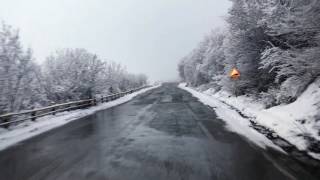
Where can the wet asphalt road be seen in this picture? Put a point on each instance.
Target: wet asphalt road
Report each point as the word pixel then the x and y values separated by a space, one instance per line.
pixel 164 134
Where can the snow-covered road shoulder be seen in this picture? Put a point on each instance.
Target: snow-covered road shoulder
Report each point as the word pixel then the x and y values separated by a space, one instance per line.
pixel 29 129
pixel 234 121
pixel 295 123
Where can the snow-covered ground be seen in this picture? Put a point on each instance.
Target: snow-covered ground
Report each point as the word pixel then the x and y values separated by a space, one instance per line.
pixel 234 121
pixel 29 129
pixel 297 123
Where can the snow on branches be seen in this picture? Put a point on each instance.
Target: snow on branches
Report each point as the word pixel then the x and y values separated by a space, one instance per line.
pixel 273 43
pixel 68 74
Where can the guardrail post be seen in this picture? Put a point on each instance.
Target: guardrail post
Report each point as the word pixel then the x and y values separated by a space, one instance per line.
pixel 6 120
pixel 53 111
pixel 33 116
pixel 94 102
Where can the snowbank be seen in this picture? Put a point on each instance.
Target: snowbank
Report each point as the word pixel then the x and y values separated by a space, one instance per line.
pixel 297 123
pixel 29 129
pixel 235 122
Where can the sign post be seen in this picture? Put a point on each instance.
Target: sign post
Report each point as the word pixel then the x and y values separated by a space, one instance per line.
pixel 235 75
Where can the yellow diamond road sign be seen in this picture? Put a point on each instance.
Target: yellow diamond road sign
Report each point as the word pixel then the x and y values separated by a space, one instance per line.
pixel 235 74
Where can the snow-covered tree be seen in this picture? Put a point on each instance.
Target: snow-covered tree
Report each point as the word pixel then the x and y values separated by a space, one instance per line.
pixel 293 53
pixel 205 61
pixel 115 78
pixel 68 74
pixel 274 44
pixel 72 74
pixel 18 86
pixel 246 40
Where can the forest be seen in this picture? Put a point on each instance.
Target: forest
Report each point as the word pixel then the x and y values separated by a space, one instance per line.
pixel 275 45
pixel 65 75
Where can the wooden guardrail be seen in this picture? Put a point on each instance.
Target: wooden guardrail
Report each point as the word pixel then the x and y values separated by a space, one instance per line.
pixel 13 118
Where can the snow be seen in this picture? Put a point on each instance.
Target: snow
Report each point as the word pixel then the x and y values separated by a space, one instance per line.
pixel 235 122
pixel 285 120
pixel 30 129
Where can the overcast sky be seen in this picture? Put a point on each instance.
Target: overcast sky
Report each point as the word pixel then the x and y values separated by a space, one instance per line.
pixel 147 36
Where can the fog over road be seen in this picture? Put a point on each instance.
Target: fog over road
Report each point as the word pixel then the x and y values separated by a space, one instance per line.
pixel 163 134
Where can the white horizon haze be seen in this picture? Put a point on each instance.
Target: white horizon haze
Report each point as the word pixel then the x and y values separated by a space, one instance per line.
pixel 146 36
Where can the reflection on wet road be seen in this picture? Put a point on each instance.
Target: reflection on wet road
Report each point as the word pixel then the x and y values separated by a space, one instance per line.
pixel 164 134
